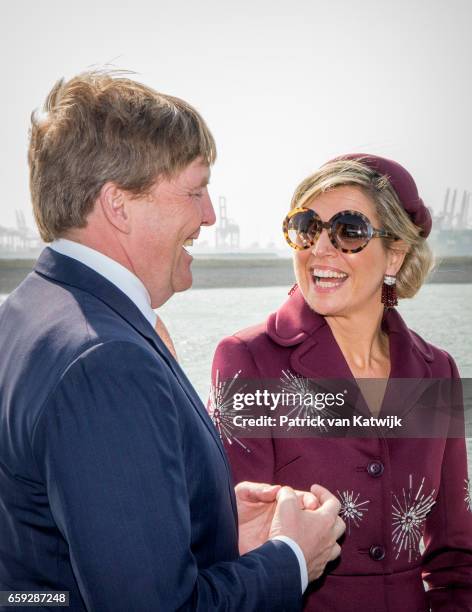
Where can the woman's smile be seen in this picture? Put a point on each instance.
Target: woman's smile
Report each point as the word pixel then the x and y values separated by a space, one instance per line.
pixel 326 279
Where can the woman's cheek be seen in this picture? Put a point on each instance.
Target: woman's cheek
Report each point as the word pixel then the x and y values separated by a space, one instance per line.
pixel 300 261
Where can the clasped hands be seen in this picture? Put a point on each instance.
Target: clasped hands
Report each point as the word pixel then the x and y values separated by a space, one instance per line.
pixel 310 518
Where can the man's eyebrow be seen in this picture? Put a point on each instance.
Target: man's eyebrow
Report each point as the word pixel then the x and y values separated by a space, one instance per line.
pixel 205 180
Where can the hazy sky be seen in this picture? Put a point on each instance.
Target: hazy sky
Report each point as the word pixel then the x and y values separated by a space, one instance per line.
pixel 284 86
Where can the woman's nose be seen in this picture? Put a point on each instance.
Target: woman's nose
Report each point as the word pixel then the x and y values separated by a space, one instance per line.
pixel 323 246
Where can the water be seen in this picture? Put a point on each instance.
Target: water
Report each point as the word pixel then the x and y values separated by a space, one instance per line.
pixel 198 319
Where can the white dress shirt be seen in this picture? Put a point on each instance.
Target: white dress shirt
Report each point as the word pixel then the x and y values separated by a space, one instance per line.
pixel 117 274
pixel 132 286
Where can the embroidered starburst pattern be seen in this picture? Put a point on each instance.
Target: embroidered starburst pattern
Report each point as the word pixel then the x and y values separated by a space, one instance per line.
pixel 299 393
pixel 352 510
pixel 220 407
pixel 468 494
pixel 409 512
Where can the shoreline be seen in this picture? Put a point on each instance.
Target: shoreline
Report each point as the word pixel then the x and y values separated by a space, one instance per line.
pixel 238 272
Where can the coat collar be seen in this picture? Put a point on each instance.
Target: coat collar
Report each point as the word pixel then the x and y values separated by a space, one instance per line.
pixel 296 325
pixel 316 355
pixel 68 271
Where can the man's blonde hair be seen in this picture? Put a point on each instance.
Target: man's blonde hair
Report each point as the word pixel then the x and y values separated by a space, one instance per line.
pixel 418 261
pixel 100 126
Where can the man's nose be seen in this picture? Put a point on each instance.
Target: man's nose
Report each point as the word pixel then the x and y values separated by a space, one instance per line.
pixel 209 216
pixel 323 245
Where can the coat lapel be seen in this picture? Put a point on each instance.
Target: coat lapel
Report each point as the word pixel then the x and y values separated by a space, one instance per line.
pixel 410 375
pixel 409 354
pixel 316 354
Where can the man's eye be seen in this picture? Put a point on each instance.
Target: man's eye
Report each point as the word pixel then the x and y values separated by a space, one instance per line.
pixel 197 194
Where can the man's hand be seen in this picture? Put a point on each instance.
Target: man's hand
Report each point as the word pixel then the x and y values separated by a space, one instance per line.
pixel 315 531
pixel 256 507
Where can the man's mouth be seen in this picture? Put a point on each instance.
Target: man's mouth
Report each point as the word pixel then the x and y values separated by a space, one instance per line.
pixel 328 278
pixel 189 241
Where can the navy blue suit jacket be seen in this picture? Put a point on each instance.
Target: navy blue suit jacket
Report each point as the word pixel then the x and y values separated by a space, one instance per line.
pixel 114 484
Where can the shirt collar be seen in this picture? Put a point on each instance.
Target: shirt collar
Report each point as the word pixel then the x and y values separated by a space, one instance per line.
pixel 113 271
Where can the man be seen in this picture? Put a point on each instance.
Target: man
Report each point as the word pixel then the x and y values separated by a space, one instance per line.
pixel 115 486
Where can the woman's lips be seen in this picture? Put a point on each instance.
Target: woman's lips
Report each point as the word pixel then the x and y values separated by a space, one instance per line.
pixel 328 280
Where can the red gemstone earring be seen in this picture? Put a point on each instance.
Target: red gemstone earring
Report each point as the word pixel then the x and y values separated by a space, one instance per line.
pixel 389 291
pixel 293 289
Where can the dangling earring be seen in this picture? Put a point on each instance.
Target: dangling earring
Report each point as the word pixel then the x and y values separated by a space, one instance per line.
pixel 389 291
pixel 293 289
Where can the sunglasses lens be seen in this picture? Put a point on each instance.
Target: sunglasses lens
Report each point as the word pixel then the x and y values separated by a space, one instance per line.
pixel 302 229
pixel 351 231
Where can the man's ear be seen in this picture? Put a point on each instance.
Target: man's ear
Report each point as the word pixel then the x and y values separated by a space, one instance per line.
pixel 396 255
pixel 114 203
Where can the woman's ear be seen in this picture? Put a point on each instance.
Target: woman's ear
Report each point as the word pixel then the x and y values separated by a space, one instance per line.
pixel 395 256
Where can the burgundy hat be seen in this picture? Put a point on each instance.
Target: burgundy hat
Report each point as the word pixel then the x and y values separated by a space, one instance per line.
pixel 403 184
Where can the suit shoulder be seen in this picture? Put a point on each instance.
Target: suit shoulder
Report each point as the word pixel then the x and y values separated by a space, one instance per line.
pixel 65 316
pixel 112 369
pixel 116 353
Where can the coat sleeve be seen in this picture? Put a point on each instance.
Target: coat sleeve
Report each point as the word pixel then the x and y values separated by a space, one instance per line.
pixel 233 366
pixel 447 560
pixel 111 450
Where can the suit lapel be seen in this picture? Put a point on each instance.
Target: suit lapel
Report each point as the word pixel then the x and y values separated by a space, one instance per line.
pixel 68 271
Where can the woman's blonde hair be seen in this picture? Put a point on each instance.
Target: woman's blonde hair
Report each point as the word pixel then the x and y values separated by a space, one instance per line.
pixel 418 261
pixel 99 127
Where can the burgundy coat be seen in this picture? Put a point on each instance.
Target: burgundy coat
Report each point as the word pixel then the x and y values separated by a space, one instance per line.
pixel 375 479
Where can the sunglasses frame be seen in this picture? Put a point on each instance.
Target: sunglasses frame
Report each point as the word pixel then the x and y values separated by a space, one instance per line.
pixel 328 226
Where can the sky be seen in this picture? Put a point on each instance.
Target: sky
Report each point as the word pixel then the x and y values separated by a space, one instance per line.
pixel 283 86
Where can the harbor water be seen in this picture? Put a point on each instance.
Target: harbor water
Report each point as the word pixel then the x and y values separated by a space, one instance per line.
pixel 198 319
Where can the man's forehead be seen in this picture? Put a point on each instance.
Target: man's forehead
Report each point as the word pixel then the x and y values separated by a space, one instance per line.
pixel 198 171
pixel 193 176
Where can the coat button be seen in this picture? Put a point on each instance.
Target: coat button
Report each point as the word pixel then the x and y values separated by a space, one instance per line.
pixel 375 469
pixel 376 552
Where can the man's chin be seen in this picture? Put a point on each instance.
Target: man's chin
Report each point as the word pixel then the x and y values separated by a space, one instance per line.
pixel 182 284
pixel 175 286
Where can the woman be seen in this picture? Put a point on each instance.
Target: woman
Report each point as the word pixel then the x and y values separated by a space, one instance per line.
pixel 358 229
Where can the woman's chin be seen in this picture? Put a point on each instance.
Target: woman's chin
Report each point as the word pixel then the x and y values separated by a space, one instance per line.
pixel 325 301
pixel 323 305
